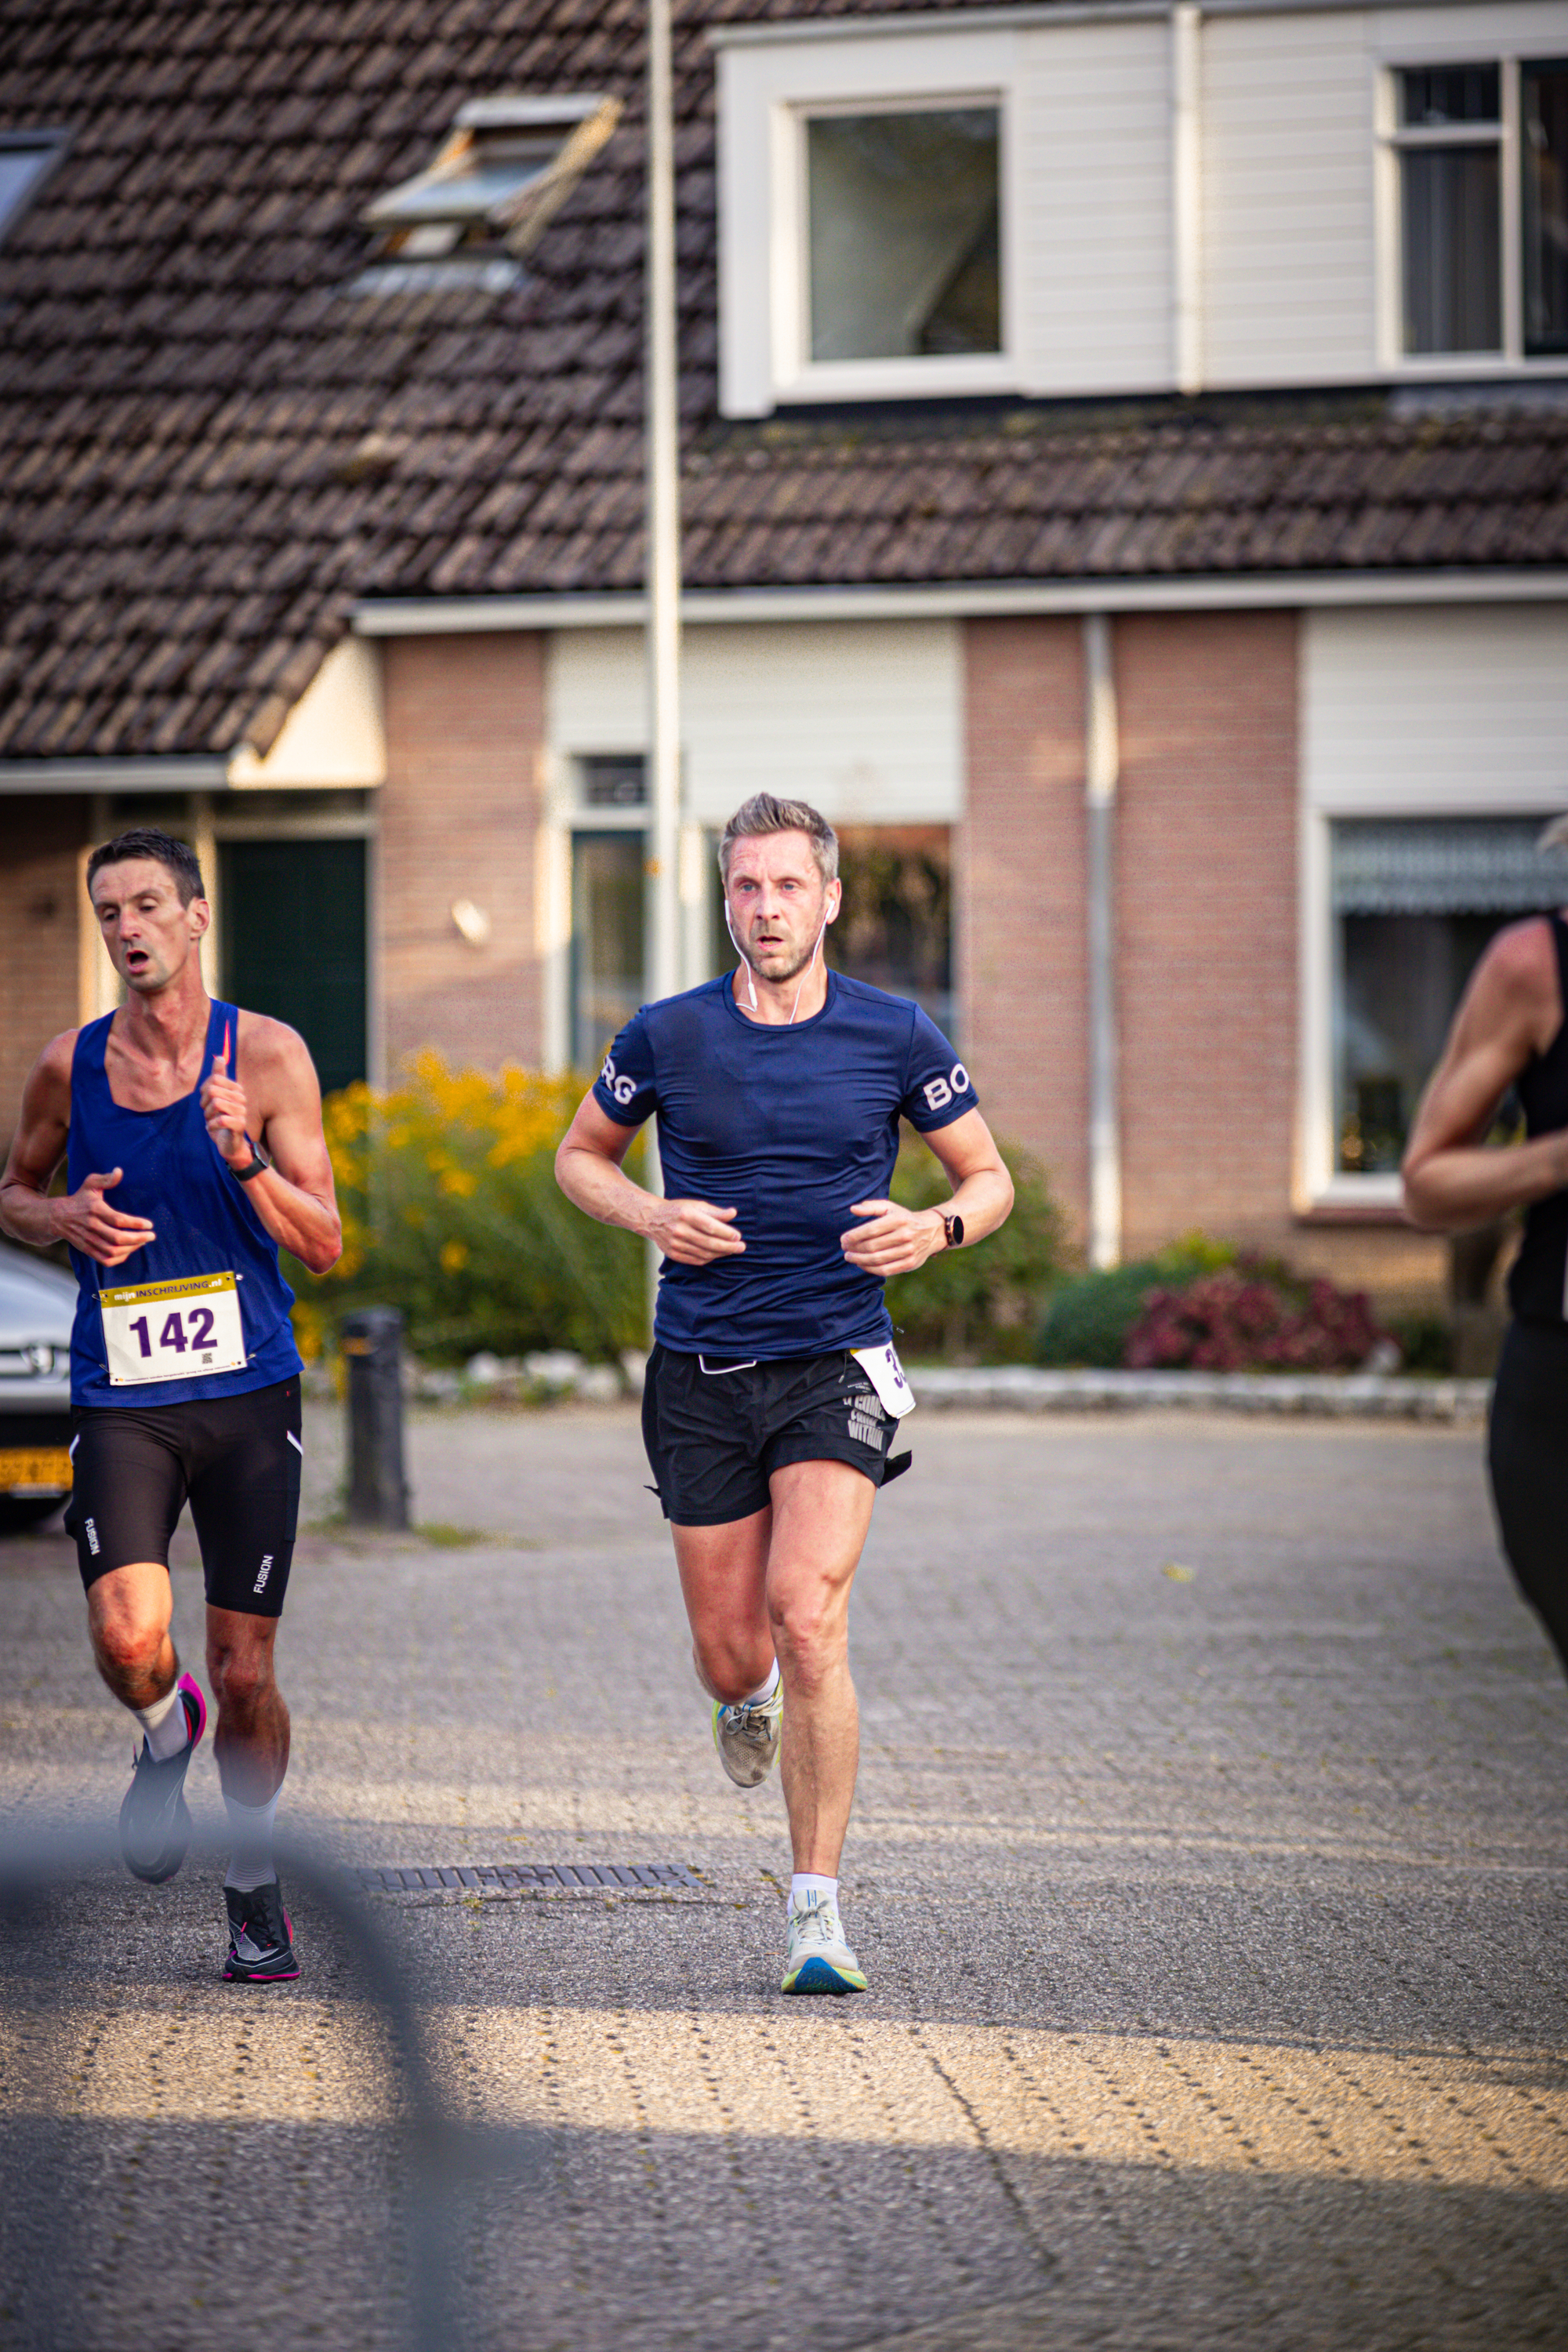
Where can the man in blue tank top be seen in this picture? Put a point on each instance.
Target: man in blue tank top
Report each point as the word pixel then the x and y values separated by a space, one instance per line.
pixel 774 1387
pixel 185 1375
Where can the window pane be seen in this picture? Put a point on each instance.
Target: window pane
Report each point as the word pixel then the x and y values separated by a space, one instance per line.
pixel 21 168
pixel 606 940
pixel 1544 94
pixel 895 929
pixel 1452 232
pixel 904 241
pixel 1415 905
pixel 615 780
pixel 1434 95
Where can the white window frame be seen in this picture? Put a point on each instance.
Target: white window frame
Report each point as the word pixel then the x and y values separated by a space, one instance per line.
pixel 1392 142
pixel 798 376
pixel 766 96
pixel 1530 787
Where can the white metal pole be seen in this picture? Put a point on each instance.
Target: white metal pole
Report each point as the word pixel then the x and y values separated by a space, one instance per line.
pixel 1186 195
pixel 663 533
pixel 663 521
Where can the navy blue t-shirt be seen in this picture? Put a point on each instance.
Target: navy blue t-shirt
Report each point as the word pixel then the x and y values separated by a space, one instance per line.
pixel 788 1126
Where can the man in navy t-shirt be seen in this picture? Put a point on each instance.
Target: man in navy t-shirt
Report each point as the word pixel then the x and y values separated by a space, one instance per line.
pixel 774 1387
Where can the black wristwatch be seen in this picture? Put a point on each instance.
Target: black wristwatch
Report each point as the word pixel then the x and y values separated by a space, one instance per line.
pixel 256 1167
pixel 952 1227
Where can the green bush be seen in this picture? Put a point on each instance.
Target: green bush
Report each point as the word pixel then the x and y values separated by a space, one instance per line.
pixel 1089 1320
pixel 1426 1343
pixel 978 1303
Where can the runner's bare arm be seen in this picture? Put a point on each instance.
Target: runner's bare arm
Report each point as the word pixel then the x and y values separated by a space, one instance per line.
pixel 588 1170
pixel 1511 1010
pixel 896 1241
pixel 83 1218
pixel 273 1097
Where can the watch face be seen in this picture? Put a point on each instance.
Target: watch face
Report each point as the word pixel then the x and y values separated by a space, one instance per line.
pixel 955 1228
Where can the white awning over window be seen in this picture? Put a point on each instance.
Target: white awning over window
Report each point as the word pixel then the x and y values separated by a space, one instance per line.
pixel 1444 866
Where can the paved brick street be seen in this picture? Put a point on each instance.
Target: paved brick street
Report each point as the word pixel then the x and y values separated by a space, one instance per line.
pixel 1210 1870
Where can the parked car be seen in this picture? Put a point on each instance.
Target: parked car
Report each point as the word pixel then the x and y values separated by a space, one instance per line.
pixel 37 1301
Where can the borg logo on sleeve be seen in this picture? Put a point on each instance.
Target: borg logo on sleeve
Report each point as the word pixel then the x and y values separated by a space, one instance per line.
pixel 939 1092
pixel 623 1089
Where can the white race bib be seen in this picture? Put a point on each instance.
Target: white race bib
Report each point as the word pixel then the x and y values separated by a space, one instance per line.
pixel 886 1374
pixel 172 1330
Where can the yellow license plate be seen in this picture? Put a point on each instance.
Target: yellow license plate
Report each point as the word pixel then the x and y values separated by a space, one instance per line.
pixel 35 1470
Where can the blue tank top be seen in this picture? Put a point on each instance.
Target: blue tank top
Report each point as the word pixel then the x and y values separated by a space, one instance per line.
pixel 203 1221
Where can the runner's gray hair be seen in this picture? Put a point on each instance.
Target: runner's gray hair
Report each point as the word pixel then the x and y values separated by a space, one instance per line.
pixel 762 814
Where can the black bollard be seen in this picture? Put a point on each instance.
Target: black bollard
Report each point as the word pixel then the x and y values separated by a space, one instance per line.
pixel 372 1344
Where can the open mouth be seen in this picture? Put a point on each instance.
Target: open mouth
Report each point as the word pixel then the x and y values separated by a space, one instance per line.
pixel 137 960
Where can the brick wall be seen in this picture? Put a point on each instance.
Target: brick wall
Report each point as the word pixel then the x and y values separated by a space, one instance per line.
pixel 1206 922
pixel 1206 931
pixel 459 813
pixel 43 839
pixel 1020 897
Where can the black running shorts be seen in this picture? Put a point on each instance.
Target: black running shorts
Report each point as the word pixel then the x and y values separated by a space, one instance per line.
pixel 1528 1457
pixel 236 1460
pixel 716 1431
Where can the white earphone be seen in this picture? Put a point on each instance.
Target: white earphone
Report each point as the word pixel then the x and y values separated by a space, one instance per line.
pixel 745 959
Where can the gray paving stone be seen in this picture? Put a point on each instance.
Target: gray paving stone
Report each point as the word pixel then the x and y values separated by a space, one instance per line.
pixel 1210 1871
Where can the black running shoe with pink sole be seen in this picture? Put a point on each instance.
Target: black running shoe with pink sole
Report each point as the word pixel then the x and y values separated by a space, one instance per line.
pixel 155 1820
pixel 260 1937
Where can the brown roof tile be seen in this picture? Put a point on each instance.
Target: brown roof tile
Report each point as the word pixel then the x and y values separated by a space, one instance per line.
pixel 187 384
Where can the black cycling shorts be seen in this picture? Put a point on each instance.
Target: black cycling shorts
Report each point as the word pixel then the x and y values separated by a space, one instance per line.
pixel 1528 1456
pixel 715 1431
pixel 236 1460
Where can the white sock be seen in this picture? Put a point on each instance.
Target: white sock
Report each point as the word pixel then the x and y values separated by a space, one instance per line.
pixel 165 1724
pixel 763 1690
pixel 251 1862
pixel 805 1884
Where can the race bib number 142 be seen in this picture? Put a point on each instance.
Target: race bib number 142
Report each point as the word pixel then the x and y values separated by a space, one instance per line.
pixel 172 1330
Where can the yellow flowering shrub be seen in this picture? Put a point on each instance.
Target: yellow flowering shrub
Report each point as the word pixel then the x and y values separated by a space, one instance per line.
pixel 451 1212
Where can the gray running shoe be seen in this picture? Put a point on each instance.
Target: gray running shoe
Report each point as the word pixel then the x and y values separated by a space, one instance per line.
pixel 747 1737
pixel 819 1959
pixel 155 1820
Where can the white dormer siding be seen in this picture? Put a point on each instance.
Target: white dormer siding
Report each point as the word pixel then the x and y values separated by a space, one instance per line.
pixel 1188 197
pixel 1290 261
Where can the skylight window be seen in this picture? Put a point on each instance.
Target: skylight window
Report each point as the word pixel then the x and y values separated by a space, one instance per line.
pixel 506 167
pixel 27 158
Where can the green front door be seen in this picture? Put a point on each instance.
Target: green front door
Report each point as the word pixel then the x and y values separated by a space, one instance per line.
pixel 293 918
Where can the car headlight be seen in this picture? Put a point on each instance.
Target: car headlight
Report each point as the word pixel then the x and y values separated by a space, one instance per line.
pixel 40 1361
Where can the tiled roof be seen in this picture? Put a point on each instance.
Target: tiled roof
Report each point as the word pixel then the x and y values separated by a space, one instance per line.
pixel 213 448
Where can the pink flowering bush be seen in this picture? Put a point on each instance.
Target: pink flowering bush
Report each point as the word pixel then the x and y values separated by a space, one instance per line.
pixel 1250 1318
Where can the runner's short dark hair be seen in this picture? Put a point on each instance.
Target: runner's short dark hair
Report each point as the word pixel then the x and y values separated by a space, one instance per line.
pixel 147 841
pixel 762 814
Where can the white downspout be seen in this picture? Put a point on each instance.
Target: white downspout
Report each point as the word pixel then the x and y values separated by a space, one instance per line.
pixel 1102 763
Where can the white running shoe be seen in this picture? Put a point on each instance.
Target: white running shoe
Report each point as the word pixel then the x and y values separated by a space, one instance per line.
pixel 747 1737
pixel 819 1959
